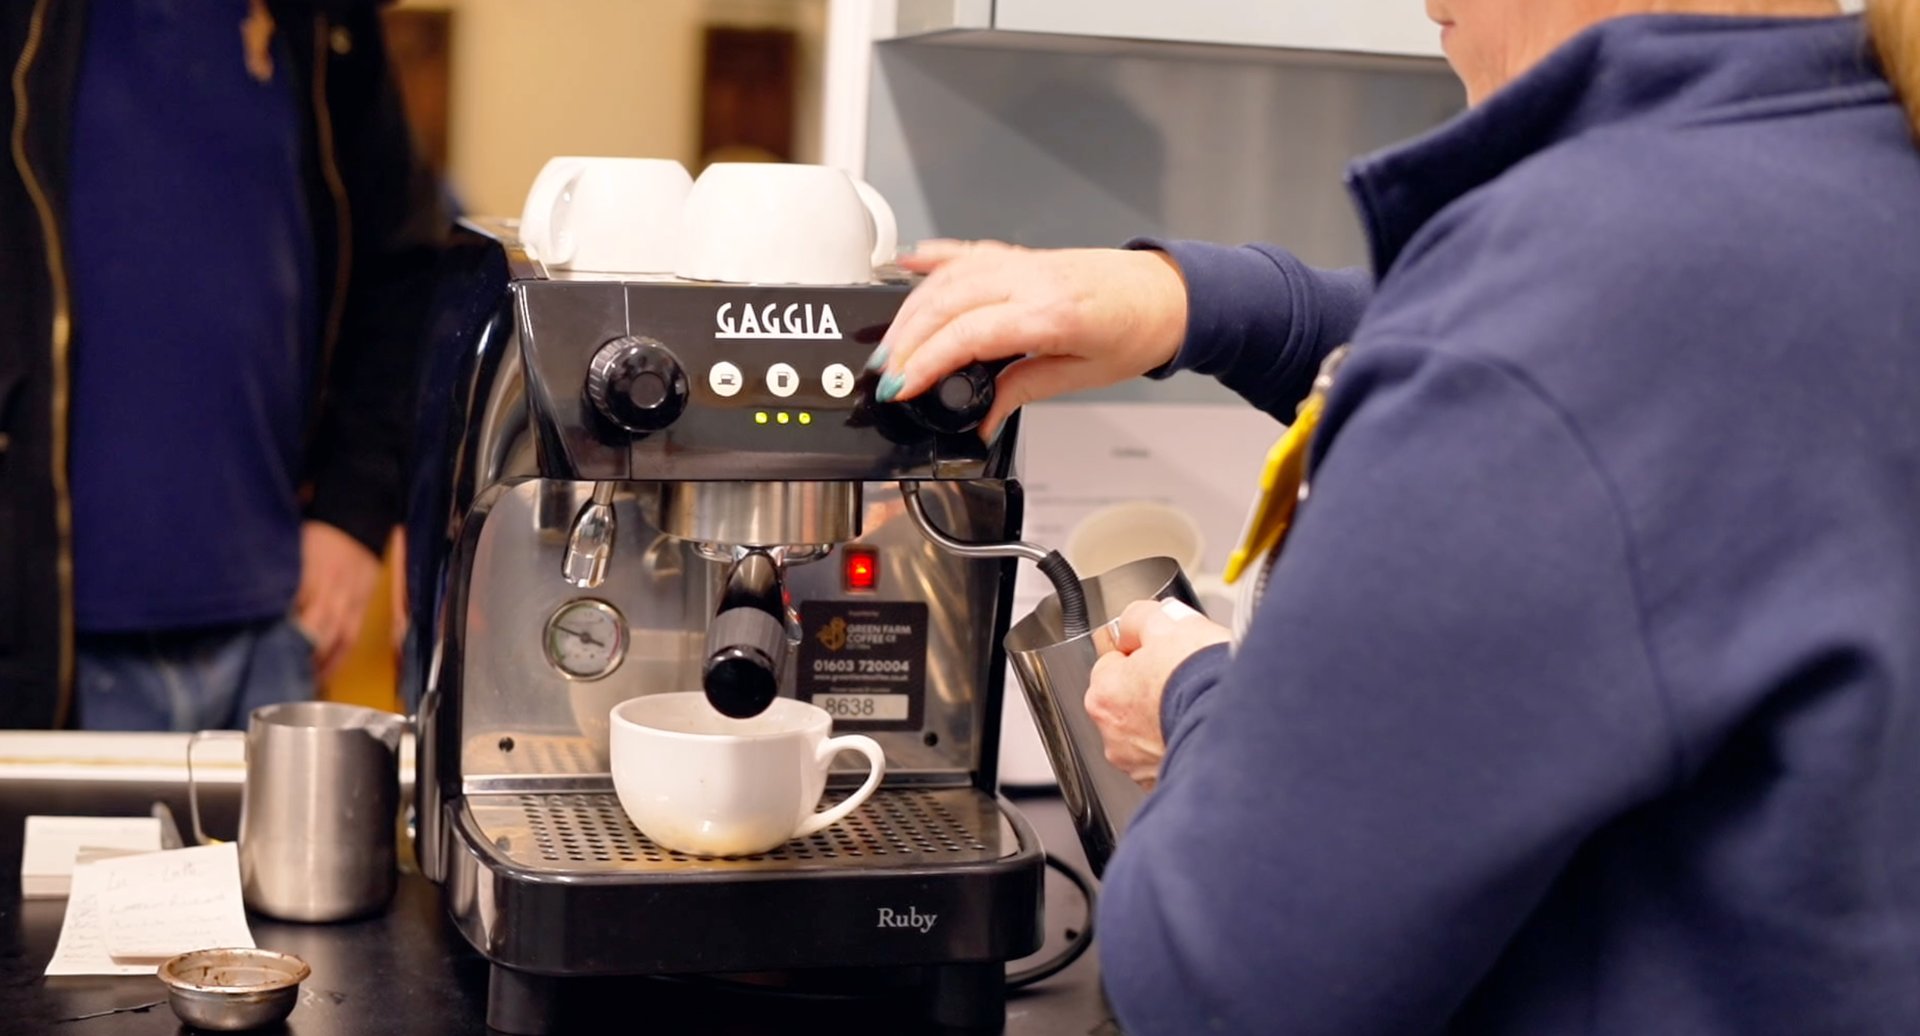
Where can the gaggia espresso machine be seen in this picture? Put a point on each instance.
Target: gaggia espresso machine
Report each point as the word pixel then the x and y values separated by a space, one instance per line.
pixel 638 484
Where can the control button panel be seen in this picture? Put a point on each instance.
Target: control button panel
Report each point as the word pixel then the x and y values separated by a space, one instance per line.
pixel 680 384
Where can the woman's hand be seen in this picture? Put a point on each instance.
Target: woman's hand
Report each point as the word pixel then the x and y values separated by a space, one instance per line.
pixel 1123 697
pixel 1082 318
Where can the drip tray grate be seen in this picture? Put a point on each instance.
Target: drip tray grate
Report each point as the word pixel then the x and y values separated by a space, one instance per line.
pixel 588 831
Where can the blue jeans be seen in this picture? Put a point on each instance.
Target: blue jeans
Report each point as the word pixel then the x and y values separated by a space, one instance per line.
pixel 190 680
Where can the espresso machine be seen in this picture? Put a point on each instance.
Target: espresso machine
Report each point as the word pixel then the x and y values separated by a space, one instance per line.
pixel 629 485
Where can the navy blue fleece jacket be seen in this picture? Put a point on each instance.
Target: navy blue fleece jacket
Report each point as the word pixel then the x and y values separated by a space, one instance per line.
pixel 1585 695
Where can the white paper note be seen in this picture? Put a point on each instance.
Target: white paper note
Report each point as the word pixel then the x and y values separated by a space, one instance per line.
pixel 82 948
pixel 159 904
pixel 52 842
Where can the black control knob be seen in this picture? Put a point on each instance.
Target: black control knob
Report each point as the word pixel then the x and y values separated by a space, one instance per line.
pixel 637 384
pixel 959 402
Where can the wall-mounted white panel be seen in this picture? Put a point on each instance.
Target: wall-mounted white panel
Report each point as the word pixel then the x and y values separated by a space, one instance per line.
pixel 1363 26
pixel 1396 28
pixel 919 16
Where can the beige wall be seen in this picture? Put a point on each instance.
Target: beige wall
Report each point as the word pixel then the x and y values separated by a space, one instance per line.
pixel 538 78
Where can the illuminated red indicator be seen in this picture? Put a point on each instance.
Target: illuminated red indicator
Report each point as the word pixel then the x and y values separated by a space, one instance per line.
pixel 863 570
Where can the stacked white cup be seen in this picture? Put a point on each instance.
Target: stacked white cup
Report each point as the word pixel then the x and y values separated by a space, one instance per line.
pixel 738 223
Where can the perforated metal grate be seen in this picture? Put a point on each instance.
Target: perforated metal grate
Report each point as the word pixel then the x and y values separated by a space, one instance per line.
pixel 591 829
pixel 562 755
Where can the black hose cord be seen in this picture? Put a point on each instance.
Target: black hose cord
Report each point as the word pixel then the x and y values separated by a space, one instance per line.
pixel 1073 597
pixel 1075 949
pixel 1081 939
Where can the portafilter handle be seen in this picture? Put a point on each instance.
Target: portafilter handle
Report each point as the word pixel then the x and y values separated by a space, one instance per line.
pixel 1066 582
pixel 747 640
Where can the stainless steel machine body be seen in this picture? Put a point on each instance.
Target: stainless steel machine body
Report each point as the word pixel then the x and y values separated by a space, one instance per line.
pixel 603 463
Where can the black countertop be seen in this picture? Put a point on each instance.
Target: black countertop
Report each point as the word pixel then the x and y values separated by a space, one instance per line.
pixel 409 971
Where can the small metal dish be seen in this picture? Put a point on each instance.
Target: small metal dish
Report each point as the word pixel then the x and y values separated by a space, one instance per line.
pixel 229 990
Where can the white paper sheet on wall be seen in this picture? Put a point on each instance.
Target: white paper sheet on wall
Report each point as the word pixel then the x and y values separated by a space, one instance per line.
pixel 1078 458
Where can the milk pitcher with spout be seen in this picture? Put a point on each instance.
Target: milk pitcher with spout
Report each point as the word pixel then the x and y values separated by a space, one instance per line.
pixel 319 809
pixel 1055 669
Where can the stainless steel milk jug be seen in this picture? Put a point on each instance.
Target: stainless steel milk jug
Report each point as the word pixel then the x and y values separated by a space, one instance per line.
pixel 319 809
pixel 1054 671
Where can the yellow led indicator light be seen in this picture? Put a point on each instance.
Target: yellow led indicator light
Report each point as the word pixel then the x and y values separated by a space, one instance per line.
pixel 806 418
pixel 760 418
pixel 782 417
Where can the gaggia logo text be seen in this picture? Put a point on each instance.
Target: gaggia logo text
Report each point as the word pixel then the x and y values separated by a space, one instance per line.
pixel 794 320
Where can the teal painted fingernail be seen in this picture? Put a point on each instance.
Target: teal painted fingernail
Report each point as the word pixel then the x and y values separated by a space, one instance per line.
pixel 890 387
pixel 878 359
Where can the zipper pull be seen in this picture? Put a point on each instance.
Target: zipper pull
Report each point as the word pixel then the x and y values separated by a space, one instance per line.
pixel 1323 381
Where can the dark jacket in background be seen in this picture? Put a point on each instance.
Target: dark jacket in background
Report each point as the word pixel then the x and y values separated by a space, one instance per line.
pixel 378 219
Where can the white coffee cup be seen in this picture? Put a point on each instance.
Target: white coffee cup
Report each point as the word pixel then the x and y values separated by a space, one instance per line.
pixel 783 223
pixel 697 781
pixel 1135 529
pixel 605 214
pixel 1128 531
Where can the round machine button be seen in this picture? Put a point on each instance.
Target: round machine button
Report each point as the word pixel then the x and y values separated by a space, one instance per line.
pixel 958 392
pixel 647 390
pixel 958 403
pixel 783 380
pixel 725 379
pixel 838 380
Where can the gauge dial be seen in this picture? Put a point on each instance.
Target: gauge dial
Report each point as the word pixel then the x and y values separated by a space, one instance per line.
pixel 586 639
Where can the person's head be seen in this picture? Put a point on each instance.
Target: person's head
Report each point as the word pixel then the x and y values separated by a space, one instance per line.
pixel 1491 42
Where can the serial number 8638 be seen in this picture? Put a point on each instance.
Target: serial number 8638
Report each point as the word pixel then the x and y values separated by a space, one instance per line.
pixel 843 705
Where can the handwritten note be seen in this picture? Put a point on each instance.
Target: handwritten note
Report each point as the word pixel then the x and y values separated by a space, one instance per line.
pixel 82 949
pixel 126 914
pixel 160 904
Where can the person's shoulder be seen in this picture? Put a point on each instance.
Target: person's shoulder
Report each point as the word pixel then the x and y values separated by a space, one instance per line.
pixel 1634 235
pixel 1606 203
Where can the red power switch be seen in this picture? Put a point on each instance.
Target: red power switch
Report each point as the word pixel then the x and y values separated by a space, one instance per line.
pixel 863 569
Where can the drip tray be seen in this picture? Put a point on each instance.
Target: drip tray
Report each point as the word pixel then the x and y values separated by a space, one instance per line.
pixel 588 833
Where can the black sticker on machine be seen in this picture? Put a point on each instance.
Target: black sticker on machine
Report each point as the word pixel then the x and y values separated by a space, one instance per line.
pixel 865 662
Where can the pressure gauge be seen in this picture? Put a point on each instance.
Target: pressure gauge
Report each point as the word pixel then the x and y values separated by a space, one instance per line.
pixel 586 639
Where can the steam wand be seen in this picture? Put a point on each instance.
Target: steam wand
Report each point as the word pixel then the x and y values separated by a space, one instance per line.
pixel 590 542
pixel 1066 584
